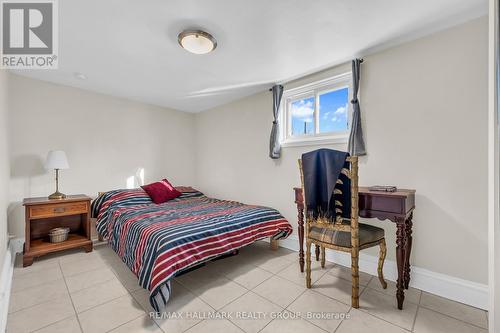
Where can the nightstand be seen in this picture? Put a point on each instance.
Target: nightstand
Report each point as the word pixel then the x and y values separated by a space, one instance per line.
pixel 43 214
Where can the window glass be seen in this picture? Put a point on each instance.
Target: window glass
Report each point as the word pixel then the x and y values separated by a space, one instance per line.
pixel 333 111
pixel 302 116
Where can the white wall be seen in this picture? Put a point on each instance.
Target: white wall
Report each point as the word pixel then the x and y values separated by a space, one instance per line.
pixel 424 108
pixel 494 168
pixel 4 164
pixel 106 140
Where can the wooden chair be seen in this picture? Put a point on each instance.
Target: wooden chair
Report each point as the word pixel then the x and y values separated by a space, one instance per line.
pixel 343 234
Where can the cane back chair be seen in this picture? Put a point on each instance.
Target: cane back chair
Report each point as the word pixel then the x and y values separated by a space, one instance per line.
pixel 343 234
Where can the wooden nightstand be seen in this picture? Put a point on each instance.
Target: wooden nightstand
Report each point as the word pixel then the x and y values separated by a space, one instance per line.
pixel 43 214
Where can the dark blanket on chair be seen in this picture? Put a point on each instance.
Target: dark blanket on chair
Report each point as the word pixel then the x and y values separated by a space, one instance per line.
pixel 321 170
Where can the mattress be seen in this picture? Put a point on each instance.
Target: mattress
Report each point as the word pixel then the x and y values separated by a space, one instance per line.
pixel 159 241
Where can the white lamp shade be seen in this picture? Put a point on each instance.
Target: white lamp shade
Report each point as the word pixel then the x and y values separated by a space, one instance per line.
pixel 56 159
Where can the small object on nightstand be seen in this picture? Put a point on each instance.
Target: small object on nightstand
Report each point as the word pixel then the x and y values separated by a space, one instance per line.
pixel 44 215
pixel 58 235
pixel 383 188
pixel 56 159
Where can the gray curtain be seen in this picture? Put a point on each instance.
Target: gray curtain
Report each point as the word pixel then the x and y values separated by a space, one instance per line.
pixel 356 145
pixel 274 143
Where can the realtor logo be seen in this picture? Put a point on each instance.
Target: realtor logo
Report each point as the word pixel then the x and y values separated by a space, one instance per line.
pixel 29 34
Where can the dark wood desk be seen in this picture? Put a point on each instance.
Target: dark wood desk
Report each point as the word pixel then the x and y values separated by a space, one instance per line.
pixel 393 206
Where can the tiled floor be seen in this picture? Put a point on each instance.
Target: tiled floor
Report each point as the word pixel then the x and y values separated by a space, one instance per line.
pixel 257 291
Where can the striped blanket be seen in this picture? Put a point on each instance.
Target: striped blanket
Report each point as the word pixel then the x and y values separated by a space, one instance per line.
pixel 157 242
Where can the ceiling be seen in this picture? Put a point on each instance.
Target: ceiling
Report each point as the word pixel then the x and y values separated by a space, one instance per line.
pixel 129 48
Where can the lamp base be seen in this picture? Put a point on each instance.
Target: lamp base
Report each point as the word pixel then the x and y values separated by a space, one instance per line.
pixel 57 195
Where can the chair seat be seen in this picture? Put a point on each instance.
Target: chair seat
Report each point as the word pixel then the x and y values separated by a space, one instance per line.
pixel 367 234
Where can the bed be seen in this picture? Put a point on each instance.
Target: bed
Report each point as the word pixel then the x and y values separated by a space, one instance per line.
pixel 160 241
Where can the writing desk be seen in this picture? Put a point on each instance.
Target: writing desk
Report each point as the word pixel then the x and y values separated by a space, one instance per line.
pixel 393 206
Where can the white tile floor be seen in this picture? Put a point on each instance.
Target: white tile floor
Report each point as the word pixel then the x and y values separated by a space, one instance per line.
pixel 95 292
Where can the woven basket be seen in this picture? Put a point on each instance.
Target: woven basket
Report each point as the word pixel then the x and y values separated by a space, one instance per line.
pixel 58 235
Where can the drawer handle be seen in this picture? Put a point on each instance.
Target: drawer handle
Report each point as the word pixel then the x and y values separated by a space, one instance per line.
pixel 59 210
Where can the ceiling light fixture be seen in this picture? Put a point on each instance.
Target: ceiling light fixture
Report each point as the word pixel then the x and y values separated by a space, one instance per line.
pixel 197 41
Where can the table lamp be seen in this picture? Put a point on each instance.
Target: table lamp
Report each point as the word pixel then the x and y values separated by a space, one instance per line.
pixel 56 159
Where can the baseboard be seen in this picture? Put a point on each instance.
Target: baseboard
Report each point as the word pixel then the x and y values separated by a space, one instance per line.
pixel 15 246
pixel 456 289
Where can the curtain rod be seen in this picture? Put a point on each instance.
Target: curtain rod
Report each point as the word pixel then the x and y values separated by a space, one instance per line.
pixel 360 61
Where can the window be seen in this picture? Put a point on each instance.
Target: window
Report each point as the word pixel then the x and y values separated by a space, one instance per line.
pixel 317 113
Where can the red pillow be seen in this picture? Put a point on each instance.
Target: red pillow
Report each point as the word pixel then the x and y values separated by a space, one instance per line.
pixel 161 191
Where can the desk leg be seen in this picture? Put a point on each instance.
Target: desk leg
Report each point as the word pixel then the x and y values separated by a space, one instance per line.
pixel 408 241
pixel 400 258
pixel 301 237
